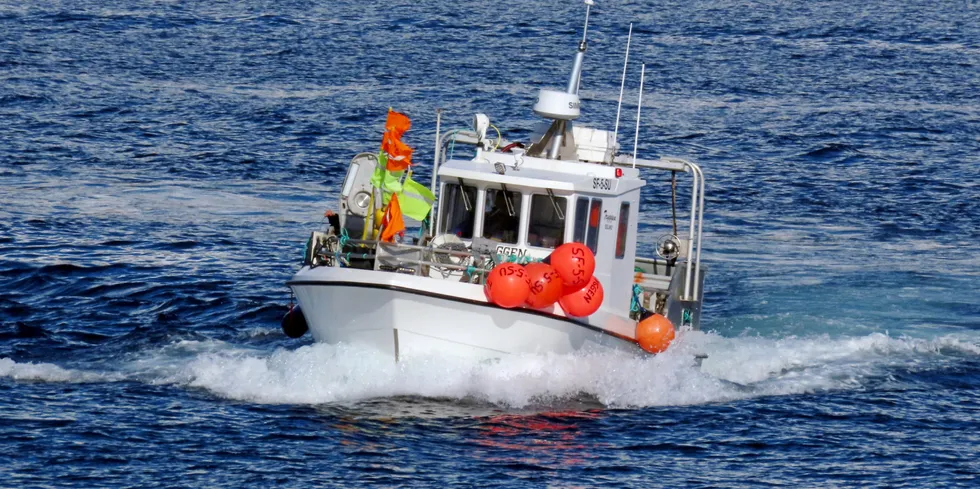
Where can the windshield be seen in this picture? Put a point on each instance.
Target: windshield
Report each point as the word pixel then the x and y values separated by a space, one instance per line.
pixel 455 218
pixel 502 219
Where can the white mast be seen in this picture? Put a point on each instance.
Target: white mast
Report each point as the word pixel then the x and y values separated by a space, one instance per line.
pixel 573 83
pixel 576 79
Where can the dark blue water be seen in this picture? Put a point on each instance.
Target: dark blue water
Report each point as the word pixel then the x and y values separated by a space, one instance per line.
pixel 161 164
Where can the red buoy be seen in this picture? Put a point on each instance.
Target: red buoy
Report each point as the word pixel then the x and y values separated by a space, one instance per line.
pixel 574 263
pixel 568 289
pixel 583 302
pixel 508 285
pixel 654 333
pixel 546 287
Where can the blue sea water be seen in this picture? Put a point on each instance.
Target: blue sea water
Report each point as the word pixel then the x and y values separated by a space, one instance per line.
pixel 161 164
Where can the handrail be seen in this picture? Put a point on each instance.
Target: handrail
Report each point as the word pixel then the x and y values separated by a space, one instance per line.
pixel 410 261
pixel 690 234
pixel 697 258
pixel 414 247
pixel 441 265
pixel 697 219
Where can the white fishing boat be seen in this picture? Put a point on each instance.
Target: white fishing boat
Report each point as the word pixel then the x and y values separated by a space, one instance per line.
pixel 505 202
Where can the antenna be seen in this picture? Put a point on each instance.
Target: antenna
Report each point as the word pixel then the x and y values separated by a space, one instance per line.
pixel 588 5
pixel 576 77
pixel 622 84
pixel 639 105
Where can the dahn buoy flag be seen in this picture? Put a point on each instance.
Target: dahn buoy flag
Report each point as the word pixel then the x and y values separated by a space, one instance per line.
pixel 399 154
pixel 392 222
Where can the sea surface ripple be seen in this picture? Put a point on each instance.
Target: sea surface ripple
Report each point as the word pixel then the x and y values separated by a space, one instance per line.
pixel 161 164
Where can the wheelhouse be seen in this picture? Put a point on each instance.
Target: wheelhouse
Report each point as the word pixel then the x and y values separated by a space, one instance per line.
pixel 524 210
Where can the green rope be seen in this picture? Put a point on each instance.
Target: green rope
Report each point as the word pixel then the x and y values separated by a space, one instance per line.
pixel 520 260
pixel 344 238
pixel 635 300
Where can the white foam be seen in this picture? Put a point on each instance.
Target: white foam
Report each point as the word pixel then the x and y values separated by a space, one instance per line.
pixel 736 368
pixel 825 361
pixel 169 364
pixel 321 373
pixel 47 372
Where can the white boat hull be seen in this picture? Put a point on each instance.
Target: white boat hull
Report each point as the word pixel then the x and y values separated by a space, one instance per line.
pixel 406 315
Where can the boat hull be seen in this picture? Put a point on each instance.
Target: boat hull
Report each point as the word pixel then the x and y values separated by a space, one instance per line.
pixel 407 315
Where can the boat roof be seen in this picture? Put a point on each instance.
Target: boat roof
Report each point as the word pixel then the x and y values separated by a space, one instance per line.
pixel 525 171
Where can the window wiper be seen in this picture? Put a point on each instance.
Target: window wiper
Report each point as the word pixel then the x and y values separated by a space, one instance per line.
pixel 554 202
pixel 508 202
pixel 466 198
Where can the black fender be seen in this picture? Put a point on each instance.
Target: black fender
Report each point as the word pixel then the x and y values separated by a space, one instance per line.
pixel 294 323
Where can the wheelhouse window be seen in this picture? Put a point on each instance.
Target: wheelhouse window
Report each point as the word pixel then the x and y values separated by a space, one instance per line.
pixel 595 216
pixel 502 215
pixel 459 210
pixel 546 228
pixel 588 213
pixel 624 220
pixel 581 211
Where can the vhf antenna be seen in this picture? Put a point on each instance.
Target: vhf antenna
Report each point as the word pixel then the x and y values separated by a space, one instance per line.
pixel 588 5
pixel 639 105
pixel 622 83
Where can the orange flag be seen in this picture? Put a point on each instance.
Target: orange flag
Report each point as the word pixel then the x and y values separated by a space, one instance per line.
pixel 399 153
pixel 397 123
pixel 392 223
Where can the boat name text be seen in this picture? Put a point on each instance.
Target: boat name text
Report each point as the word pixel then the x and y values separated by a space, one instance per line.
pixel 509 250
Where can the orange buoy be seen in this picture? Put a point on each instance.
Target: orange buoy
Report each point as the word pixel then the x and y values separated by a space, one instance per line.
pixel 508 285
pixel 546 286
pixel 574 263
pixel 571 289
pixel 654 333
pixel 584 301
